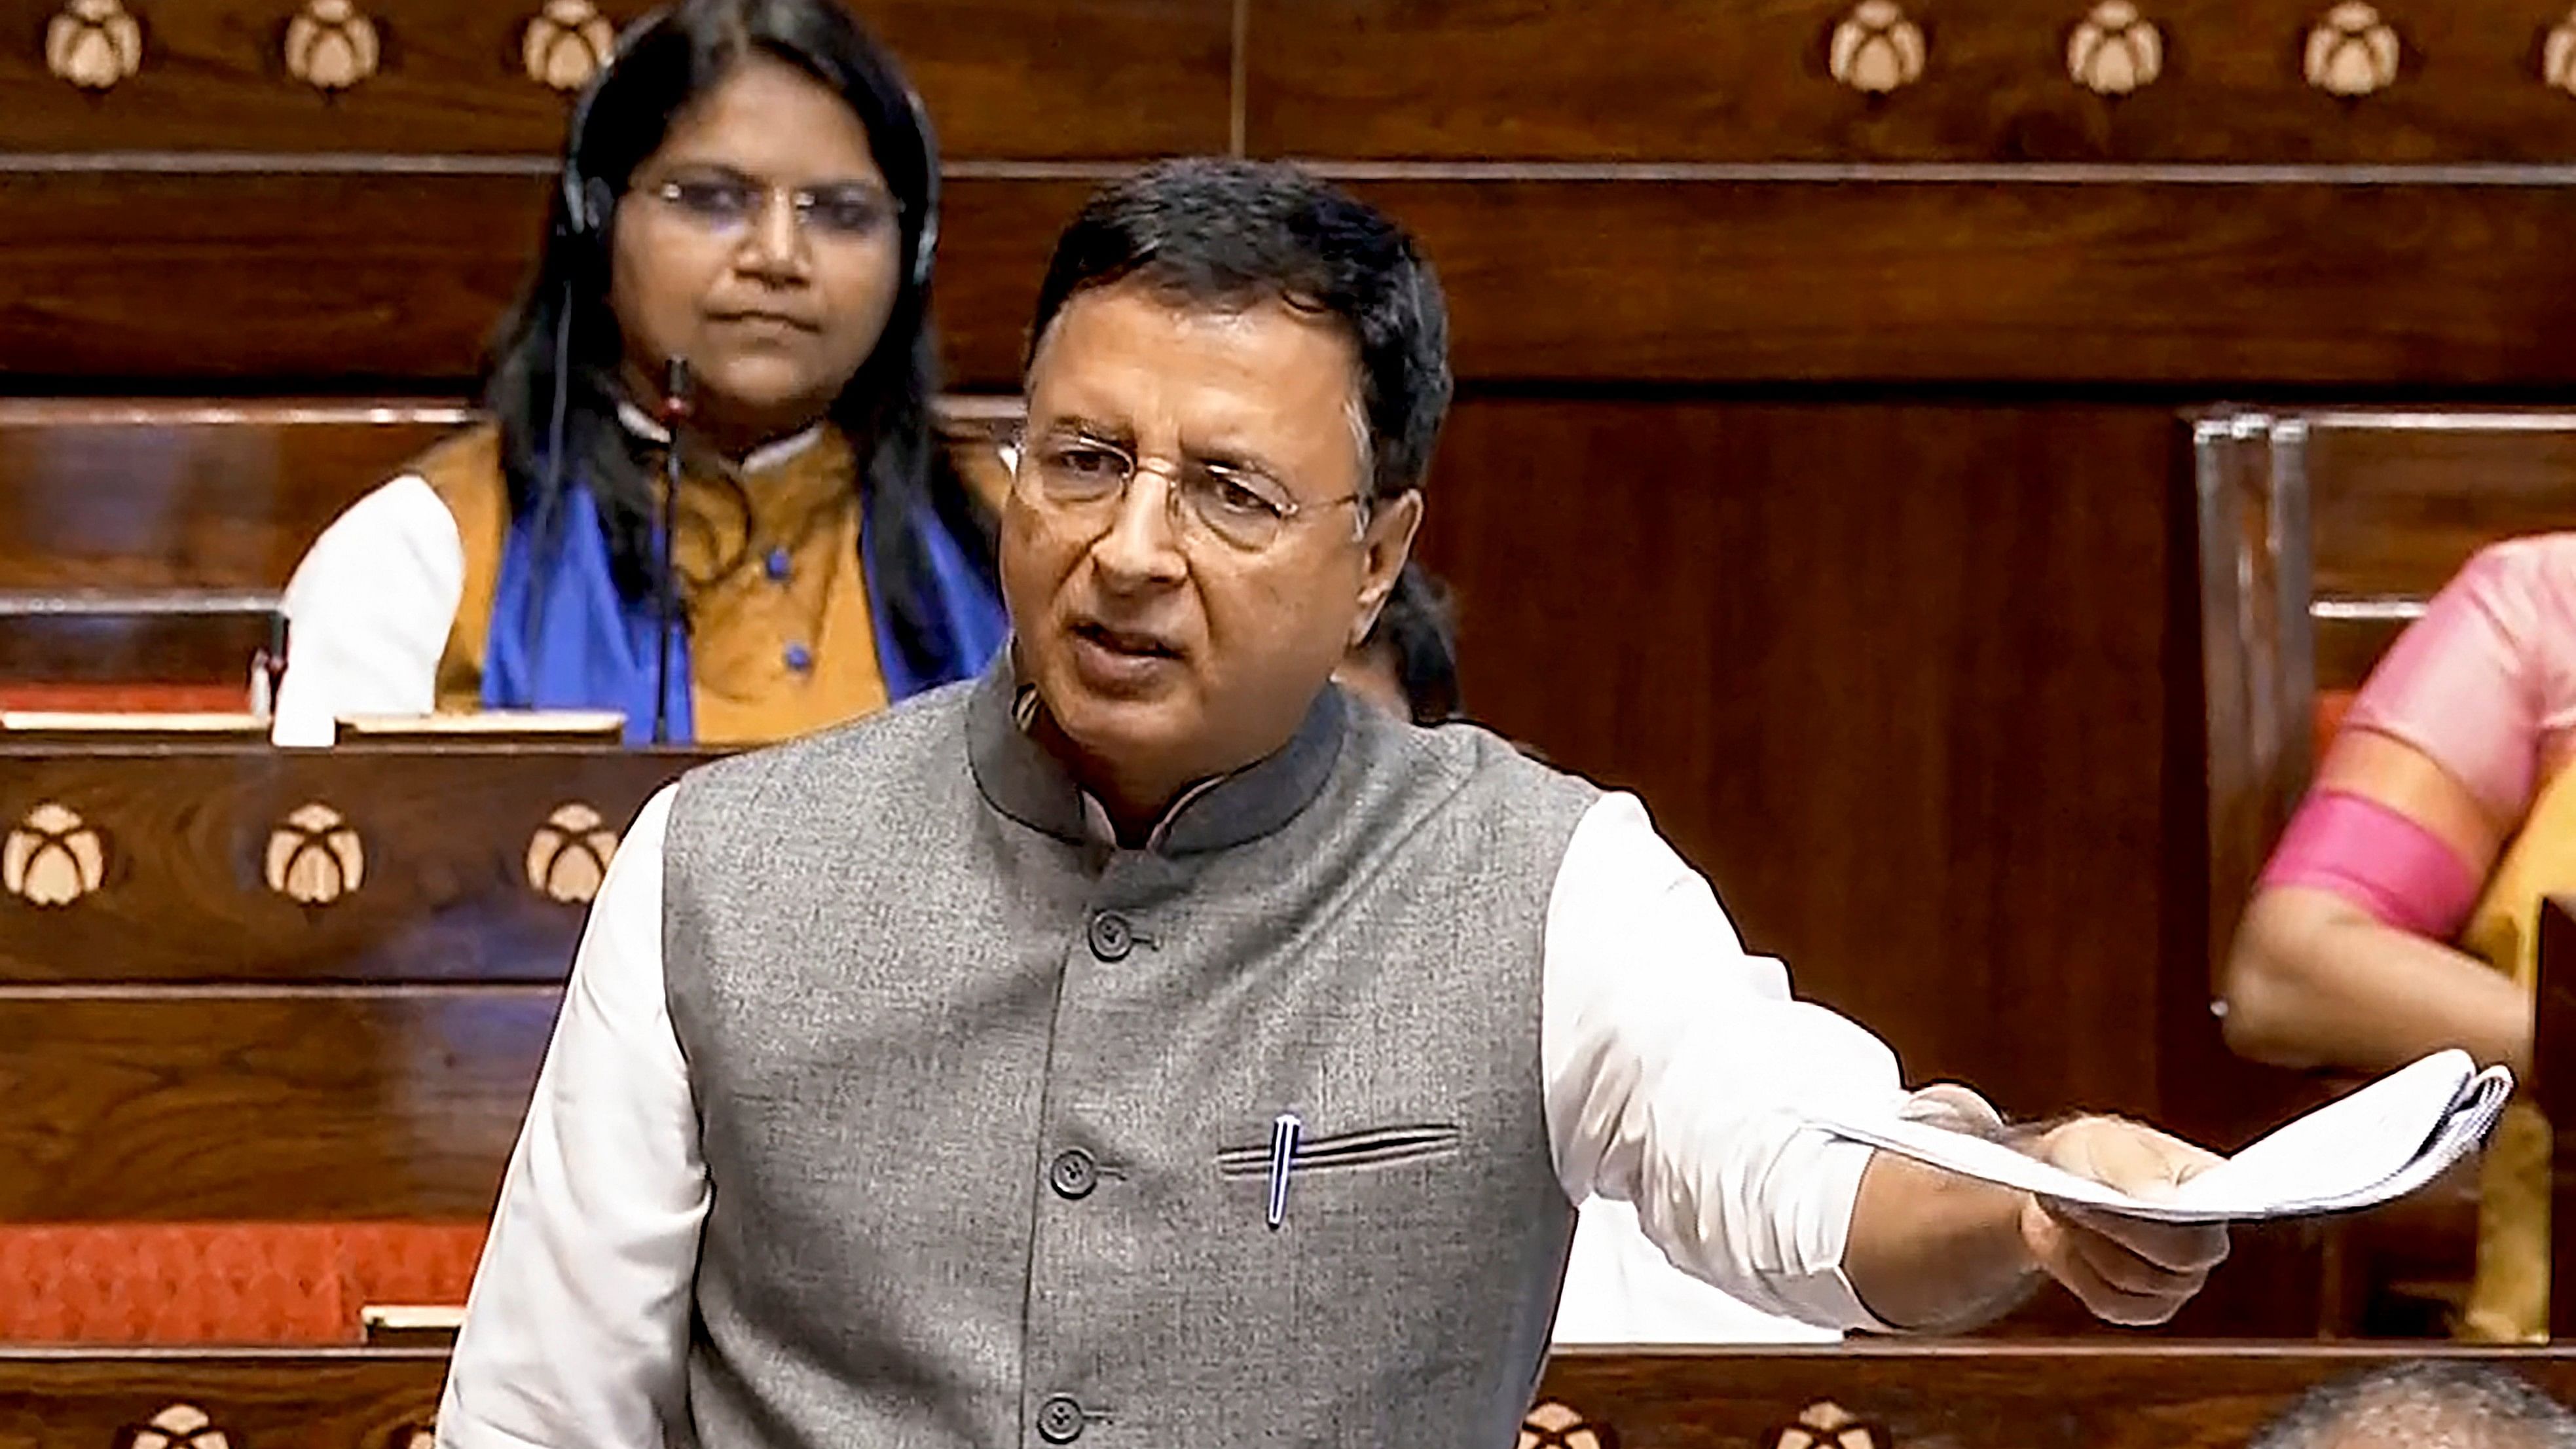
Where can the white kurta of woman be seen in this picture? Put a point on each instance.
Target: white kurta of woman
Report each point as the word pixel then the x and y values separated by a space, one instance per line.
pixel 943 1121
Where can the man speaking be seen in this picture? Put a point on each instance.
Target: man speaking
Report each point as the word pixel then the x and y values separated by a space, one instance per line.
pixel 1144 1046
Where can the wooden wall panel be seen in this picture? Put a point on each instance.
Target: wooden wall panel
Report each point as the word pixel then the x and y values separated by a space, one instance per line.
pixel 2205 287
pixel 353 283
pixel 1890 673
pixel 1961 1396
pixel 203 1106
pixel 254 1399
pixel 254 280
pixel 426 877
pixel 452 78
pixel 86 640
pixel 150 496
pixel 145 495
pixel 1967 1396
pixel 1652 80
pixel 2397 501
pixel 399 279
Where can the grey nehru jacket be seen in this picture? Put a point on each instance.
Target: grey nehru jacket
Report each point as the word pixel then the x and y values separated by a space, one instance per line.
pixel 986 1104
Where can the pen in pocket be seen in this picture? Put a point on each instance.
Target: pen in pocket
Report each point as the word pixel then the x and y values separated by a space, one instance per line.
pixel 1285 1129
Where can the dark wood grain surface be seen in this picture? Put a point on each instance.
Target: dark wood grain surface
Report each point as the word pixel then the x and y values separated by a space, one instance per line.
pixel 1916 1396
pixel 1889 673
pixel 195 1105
pixel 998 76
pixel 2163 1396
pixel 256 279
pixel 2199 287
pixel 2553 1091
pixel 1646 80
pixel 188 839
pixel 158 495
pixel 336 282
pixel 92 637
pixel 139 496
pixel 2399 499
pixel 331 283
pixel 352 1399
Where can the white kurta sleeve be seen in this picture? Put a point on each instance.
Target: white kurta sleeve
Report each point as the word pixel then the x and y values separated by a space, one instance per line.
pixel 369 609
pixel 577 1330
pixel 1678 1069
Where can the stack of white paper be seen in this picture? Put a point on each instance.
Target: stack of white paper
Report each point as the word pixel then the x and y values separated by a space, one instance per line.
pixel 2379 1144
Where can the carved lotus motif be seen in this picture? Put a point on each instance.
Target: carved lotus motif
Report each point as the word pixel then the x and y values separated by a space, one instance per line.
pixel 2115 50
pixel 315 856
pixel 566 43
pixel 331 46
pixel 94 44
pixel 2352 52
pixel 2558 55
pixel 180 1426
pixel 53 857
pixel 1554 1426
pixel 568 856
pixel 1828 1425
pixel 1877 49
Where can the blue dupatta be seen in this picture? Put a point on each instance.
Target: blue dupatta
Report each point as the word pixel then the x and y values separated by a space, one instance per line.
pixel 562 636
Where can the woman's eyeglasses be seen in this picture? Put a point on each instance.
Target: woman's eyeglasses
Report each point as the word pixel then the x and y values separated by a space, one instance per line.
pixel 1083 480
pixel 725 206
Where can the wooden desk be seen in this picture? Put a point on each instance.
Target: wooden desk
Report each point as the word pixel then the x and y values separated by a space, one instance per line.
pixel 133 649
pixel 1965 1396
pixel 2552 1089
pixel 245 983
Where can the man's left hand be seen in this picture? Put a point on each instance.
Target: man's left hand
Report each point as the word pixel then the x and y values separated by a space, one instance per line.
pixel 2127 1270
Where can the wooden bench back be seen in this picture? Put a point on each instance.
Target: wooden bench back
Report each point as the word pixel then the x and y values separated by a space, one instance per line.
pixel 2322 534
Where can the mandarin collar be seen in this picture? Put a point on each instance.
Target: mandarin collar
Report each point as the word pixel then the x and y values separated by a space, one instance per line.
pixel 762 459
pixel 1024 780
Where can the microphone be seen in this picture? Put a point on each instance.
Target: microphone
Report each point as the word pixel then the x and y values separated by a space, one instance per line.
pixel 677 404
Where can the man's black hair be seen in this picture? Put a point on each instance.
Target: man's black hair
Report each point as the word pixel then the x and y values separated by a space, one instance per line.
pixel 1226 233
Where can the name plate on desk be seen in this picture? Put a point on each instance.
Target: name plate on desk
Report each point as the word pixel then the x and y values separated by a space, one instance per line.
pixel 79 727
pixel 148 860
pixel 558 726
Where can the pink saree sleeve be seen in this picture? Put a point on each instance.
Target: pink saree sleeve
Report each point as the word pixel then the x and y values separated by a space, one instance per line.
pixel 2485 686
pixel 2485 682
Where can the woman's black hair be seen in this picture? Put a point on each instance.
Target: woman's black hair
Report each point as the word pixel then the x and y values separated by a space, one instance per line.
pixel 552 380
pixel 1418 629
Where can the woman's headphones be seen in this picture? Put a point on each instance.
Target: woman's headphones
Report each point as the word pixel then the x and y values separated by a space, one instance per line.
pixel 588 202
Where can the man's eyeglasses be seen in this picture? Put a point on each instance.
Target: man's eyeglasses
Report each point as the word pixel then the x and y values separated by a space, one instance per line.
pixel 726 205
pixel 1083 480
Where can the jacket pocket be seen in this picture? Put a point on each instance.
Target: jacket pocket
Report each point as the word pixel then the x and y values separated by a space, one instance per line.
pixel 1370 1147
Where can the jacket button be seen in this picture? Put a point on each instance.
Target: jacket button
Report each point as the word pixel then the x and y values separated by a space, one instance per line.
pixel 1073 1174
pixel 1111 937
pixel 1060 1420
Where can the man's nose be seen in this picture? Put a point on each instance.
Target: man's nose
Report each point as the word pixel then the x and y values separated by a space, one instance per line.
pixel 1142 546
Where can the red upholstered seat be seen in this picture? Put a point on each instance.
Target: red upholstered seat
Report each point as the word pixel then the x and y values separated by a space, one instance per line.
pixel 125 698
pixel 222 1283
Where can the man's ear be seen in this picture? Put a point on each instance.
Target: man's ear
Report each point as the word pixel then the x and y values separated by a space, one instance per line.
pixel 1385 544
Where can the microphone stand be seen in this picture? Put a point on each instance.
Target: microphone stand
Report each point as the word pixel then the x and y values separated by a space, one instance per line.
pixel 675 411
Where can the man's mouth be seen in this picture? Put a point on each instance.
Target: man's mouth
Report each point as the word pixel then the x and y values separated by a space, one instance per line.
pixel 1123 641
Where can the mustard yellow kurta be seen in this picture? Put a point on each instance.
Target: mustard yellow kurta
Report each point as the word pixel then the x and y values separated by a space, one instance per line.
pixel 781 638
pixel 2509 1302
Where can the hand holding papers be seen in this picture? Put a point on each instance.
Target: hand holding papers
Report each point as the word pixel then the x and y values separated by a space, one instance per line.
pixel 2374 1146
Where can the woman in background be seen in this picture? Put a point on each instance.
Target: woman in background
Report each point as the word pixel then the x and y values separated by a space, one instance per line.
pixel 749 187
pixel 2397 915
